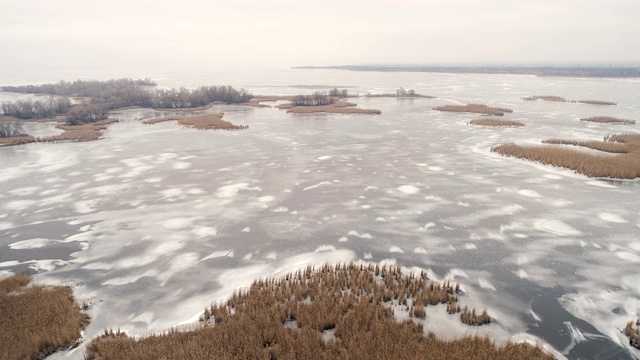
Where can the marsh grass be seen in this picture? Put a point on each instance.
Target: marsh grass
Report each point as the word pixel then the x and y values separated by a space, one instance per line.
pixel 336 107
pixel 606 146
pixel 36 320
pixel 633 333
pixel 496 122
pixel 17 140
pixel 285 319
pixel 597 102
pixel 561 99
pixel 474 108
pixel 545 98
pixel 608 119
pixel 624 165
pixel 200 122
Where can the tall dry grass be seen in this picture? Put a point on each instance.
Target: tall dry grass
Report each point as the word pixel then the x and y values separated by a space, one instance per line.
pixel 606 146
pixel 285 319
pixel 495 122
pixel 633 333
pixel 597 102
pixel 608 119
pixel 17 140
pixel 545 98
pixel 561 99
pixel 36 320
pixel 474 108
pixel 201 122
pixel 336 107
pixel 626 165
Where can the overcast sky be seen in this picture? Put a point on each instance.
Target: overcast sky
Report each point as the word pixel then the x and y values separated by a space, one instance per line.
pixel 160 33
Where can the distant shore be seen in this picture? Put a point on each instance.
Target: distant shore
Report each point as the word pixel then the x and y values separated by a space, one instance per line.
pixel 557 71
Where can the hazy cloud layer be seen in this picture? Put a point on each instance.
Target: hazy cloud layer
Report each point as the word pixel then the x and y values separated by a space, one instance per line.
pixel 160 33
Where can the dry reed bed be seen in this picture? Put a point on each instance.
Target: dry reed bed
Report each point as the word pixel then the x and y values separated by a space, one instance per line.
pixel 17 140
pixel 561 99
pixel 200 122
pixel 495 122
pixel 474 108
pixel 336 107
pixel 286 318
pixel 608 119
pixel 633 333
pixel 36 320
pixel 84 132
pixel 606 146
pixel 626 165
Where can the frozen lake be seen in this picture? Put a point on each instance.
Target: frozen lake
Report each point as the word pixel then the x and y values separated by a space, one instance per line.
pixel 154 222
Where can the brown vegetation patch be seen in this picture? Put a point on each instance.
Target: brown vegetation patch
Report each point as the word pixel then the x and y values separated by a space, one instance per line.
pixel 606 146
pixel 37 320
pixel 608 119
pixel 84 132
pixel 561 99
pixel 597 102
pixel 474 108
pixel 336 107
pixel 200 122
pixel 633 333
pixel 17 140
pixel 545 98
pixel 495 122
pixel 285 319
pixel 626 165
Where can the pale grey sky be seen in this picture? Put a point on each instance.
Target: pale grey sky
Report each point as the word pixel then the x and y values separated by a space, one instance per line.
pixel 160 33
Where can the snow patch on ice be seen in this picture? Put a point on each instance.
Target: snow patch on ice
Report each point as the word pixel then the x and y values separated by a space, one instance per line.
pixel 556 227
pixel 32 244
pixel 219 254
pixel 178 223
pixel 451 274
pixel 361 236
pixel 529 193
pixel 485 284
pixel 419 250
pixel 613 218
pixel 625 255
pixel 323 248
pixel 202 231
pixel 317 185
pixel 408 189
pixel 395 249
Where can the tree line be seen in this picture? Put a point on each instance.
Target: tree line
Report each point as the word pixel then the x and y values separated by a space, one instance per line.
pixel 39 109
pixel 113 94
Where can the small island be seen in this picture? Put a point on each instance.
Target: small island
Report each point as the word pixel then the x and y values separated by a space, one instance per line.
pixel 608 120
pixel 320 102
pixel 475 109
pixel 562 99
pixel 496 123
pixel 201 122
pixel 624 165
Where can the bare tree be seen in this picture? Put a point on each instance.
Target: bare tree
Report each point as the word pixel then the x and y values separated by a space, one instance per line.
pixel 11 128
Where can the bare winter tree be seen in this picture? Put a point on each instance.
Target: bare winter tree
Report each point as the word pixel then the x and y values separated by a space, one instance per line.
pixel 10 128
